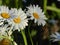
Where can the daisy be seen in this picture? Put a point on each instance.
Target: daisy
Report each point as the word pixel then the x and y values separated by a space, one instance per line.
pixel 36 13
pixel 2 33
pixel 5 14
pixel 5 37
pixel 5 33
pixel 55 37
pixel 20 20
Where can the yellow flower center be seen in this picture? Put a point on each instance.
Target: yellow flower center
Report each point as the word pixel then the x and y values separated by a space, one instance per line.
pixel 5 42
pixel 5 15
pixel 17 20
pixel 36 15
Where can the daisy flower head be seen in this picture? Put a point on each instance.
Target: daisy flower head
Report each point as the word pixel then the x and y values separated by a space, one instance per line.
pixel 5 14
pixel 20 20
pixel 5 33
pixel 36 13
pixel 55 37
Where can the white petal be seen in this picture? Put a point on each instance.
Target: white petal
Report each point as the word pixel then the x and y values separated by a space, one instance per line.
pixel 53 35
pixel 57 33
pixel 15 43
pixel 1 23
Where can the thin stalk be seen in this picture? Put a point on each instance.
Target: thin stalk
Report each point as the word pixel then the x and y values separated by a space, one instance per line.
pixel 0 2
pixel 53 9
pixel 29 33
pixel 45 5
pixel 16 3
pixel 30 37
pixel 24 37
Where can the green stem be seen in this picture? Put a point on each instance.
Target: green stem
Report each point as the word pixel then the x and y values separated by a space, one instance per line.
pixel 45 5
pixel 16 3
pixel 30 37
pixel 29 33
pixel 0 2
pixel 24 37
pixel 20 3
pixel 53 9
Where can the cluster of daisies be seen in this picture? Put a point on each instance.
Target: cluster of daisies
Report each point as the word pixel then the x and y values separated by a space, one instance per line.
pixel 16 19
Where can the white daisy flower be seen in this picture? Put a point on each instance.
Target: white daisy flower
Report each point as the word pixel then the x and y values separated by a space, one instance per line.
pixel 2 32
pixel 5 14
pixel 55 37
pixel 5 33
pixel 20 20
pixel 36 13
